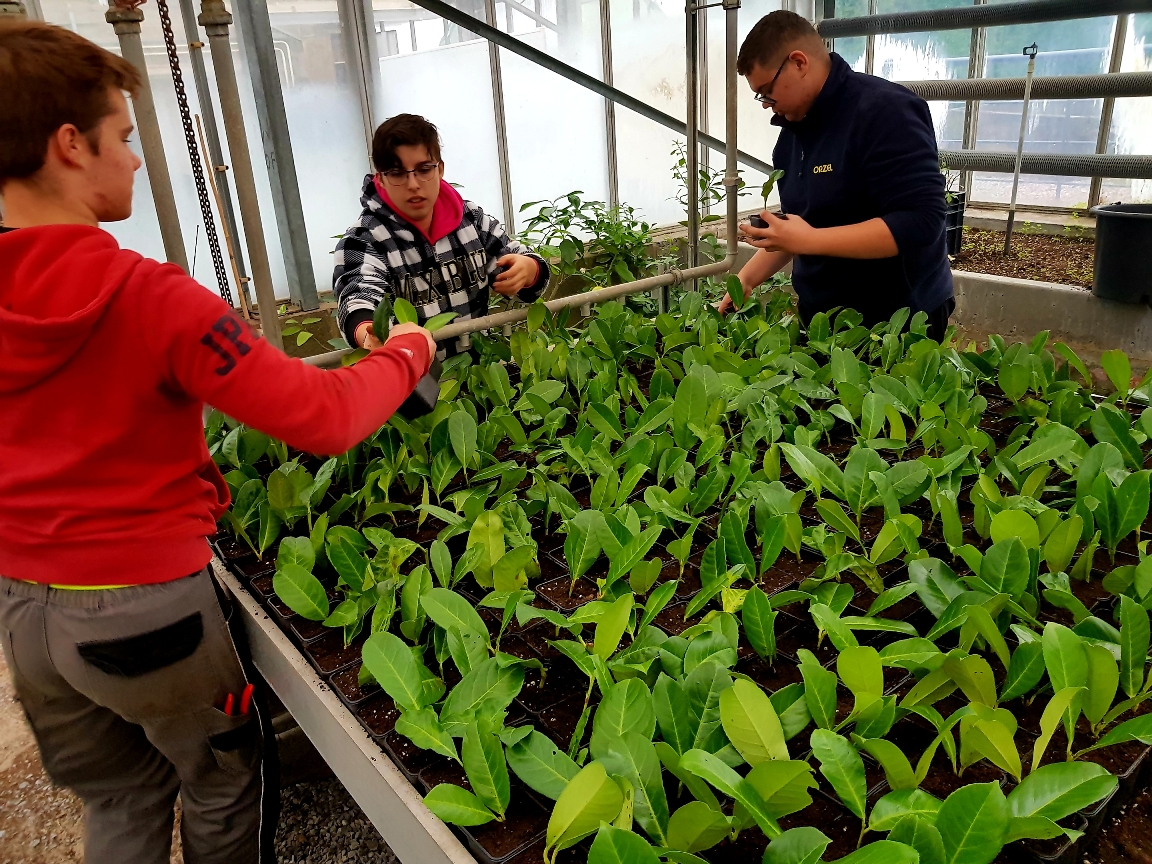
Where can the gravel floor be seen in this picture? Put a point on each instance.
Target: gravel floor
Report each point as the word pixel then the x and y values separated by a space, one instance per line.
pixel 320 823
pixel 1047 257
pixel 41 824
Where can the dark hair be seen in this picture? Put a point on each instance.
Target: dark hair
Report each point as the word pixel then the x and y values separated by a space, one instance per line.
pixel 51 77
pixel 772 34
pixel 403 129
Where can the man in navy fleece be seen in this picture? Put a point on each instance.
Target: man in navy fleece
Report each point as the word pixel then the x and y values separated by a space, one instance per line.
pixel 862 189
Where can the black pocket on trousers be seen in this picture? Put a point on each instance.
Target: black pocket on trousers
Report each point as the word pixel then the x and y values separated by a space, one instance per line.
pixel 237 749
pixel 133 656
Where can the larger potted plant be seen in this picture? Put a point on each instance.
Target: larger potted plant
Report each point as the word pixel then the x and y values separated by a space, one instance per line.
pixel 954 210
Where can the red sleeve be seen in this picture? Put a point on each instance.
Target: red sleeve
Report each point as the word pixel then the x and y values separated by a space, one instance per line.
pixel 211 354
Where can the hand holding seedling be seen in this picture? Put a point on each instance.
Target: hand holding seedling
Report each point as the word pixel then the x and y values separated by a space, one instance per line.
pixel 789 234
pixel 368 335
pixel 792 235
pixel 519 272
pixel 407 330
pixel 727 303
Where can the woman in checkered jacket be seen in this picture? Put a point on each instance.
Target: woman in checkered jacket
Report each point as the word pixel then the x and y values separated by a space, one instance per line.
pixel 418 239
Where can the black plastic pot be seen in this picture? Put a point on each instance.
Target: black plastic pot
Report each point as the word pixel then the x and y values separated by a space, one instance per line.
pixel 954 222
pixel 1123 252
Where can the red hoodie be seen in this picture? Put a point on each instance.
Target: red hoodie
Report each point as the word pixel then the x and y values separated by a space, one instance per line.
pixel 106 359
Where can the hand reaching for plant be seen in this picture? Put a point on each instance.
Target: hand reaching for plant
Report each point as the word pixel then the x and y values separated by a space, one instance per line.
pixel 725 305
pixel 521 271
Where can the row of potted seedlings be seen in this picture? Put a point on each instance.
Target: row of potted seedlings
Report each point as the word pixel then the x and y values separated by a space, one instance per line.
pixel 685 588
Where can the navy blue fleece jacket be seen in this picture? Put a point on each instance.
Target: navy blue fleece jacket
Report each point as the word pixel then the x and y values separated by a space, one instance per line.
pixel 866 149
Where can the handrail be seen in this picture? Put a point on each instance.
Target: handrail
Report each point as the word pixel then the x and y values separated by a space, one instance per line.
pixel 969 17
pixel 1112 85
pixel 1052 164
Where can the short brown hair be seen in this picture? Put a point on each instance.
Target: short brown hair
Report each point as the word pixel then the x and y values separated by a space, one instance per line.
pixel 51 77
pixel 410 130
pixel 772 34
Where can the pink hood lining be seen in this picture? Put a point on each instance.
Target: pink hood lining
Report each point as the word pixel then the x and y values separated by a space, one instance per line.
pixel 446 212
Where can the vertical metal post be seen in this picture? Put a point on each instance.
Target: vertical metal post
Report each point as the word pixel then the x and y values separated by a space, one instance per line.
pixel 214 18
pixel 208 116
pixel 702 77
pixel 1030 53
pixel 731 173
pixel 363 63
pixel 692 56
pixel 609 105
pixel 870 45
pixel 126 23
pixel 35 12
pixel 976 53
pixel 256 35
pixel 826 9
pixel 501 124
pixel 1119 37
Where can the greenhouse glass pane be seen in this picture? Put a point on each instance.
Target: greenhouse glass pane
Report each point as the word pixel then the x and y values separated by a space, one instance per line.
pixel 441 72
pixel 648 59
pixel 556 129
pixel 1079 47
pixel 1132 118
pixel 323 112
pixel 141 231
pixel 755 133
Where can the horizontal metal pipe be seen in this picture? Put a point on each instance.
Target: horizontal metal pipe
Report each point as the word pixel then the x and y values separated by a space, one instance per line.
pixel 1065 165
pixel 1117 85
pixel 505 40
pixel 512 316
pixel 967 17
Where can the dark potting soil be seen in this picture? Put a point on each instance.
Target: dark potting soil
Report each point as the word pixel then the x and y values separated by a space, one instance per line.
pixel 254 566
pixel 262 587
pixel 345 683
pixel 565 595
pixel 1126 837
pixel 562 682
pixel 943 783
pixel 787 570
pixel 559 720
pixel 514 644
pixel 550 569
pixel 770 676
pixel 671 619
pixel 446 771
pixel 378 714
pixel 538 637
pixel 329 654
pixel 305 630
pixel 1063 259
pixel 1056 849
pixel 827 814
pixel 410 758
pixel 525 820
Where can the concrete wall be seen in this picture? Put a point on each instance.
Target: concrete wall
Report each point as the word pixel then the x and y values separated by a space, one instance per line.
pixel 1018 309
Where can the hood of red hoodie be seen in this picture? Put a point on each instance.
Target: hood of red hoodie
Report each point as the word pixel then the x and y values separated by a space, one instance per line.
pixel 55 283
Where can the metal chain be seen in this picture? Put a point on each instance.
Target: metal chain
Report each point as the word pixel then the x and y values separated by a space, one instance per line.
pixel 194 154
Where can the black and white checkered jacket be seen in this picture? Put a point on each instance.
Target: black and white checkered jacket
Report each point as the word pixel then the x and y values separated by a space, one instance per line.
pixel 383 255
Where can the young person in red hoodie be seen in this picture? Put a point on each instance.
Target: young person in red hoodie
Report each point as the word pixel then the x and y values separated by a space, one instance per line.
pixel 109 620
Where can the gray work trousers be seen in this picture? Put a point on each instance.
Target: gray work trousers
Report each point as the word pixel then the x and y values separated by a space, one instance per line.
pixel 125 690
